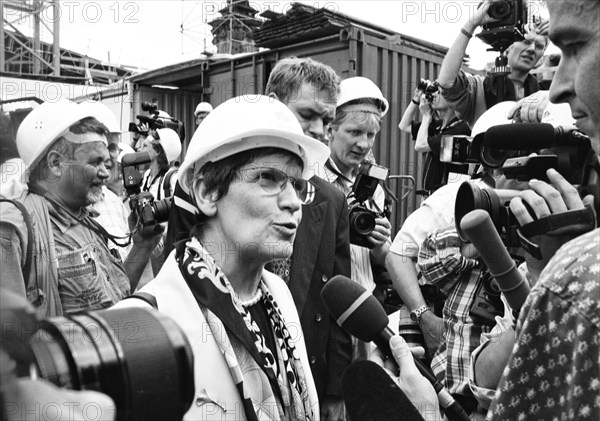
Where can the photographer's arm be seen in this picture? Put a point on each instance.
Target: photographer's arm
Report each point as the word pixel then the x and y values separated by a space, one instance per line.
pixel 140 254
pixel 491 360
pixel 422 144
pixel 411 112
pixel 454 57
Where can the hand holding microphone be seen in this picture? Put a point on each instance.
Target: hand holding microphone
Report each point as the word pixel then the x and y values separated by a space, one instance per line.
pixel 358 312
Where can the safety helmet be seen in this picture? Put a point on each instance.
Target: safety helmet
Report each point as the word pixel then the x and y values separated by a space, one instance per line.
pixel 260 122
pixel 494 116
pixel 102 114
pixel 203 107
pixel 361 87
pixel 558 115
pixel 45 125
pixel 170 142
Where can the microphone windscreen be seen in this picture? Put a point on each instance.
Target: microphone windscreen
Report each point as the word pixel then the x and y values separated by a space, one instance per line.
pixel 371 395
pixel 530 136
pixel 355 309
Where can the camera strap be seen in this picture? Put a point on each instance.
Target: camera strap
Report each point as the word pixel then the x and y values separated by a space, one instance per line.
pixel 573 223
pixel 87 221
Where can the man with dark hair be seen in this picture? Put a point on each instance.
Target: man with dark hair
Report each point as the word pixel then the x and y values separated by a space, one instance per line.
pixel 52 250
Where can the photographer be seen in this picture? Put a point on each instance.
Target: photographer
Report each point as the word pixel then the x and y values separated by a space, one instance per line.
pixel 357 121
pixel 54 252
pixel 438 119
pixel 557 332
pixel 470 95
pixel 164 147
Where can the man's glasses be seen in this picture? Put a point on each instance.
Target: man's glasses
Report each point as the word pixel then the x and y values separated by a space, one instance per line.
pixel 273 181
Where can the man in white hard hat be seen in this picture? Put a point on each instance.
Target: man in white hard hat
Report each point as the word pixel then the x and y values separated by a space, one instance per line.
pixel 69 266
pixel 202 110
pixel 360 108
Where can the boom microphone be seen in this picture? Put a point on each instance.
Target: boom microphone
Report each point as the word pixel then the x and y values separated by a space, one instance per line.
pixel 358 312
pixel 530 136
pixel 478 226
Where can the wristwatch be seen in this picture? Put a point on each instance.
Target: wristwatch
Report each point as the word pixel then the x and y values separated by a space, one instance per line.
pixel 416 314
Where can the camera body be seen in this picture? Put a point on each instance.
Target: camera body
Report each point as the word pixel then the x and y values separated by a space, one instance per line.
pixel 510 26
pixel 148 212
pixel 428 88
pixel 155 121
pixel 486 304
pixel 361 218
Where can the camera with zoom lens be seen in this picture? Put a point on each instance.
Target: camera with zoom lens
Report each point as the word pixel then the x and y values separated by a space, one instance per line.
pixel 156 121
pixel 509 27
pixel 148 212
pixel 362 219
pixel 428 88
pixel 566 150
pixel 138 357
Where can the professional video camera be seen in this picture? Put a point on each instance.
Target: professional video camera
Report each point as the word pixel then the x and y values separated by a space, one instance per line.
pixel 362 219
pixel 147 211
pixel 568 151
pixel 510 26
pixel 157 119
pixel 428 88
pixel 138 357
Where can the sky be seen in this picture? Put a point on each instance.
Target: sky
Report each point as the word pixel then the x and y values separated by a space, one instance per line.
pixel 153 33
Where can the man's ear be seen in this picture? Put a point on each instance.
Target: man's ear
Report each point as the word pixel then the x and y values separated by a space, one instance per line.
pixel 55 161
pixel 205 200
pixel 273 95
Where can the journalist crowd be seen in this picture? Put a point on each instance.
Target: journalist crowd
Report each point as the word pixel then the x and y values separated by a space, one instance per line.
pixel 249 269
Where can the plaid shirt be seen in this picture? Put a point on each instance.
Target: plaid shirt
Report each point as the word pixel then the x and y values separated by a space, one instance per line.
pixel 442 265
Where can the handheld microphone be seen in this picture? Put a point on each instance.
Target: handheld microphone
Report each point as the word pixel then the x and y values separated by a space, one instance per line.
pixel 530 136
pixel 386 400
pixel 478 226
pixel 358 312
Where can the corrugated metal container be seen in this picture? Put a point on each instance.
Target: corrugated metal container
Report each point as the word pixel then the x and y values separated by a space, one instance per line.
pixel 395 64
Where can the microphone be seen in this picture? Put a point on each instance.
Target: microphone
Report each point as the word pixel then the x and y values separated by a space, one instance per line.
pixel 358 312
pixel 478 226
pixel 530 136
pixel 386 400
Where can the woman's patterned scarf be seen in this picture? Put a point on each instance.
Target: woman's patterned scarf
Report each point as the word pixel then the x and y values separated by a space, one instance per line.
pixel 244 347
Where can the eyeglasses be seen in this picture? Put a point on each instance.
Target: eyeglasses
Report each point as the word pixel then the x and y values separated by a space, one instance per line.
pixel 273 181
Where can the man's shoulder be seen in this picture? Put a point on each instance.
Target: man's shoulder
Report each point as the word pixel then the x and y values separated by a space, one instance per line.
pixel 327 191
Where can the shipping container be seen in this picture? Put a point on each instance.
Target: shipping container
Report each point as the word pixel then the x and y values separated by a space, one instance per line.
pixel 394 62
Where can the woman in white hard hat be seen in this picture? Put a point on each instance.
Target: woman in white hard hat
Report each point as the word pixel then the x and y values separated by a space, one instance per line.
pixel 164 147
pixel 249 181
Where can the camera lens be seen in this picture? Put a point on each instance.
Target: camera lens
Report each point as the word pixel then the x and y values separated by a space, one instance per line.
pixel 138 357
pixel 362 222
pixel 471 197
pixel 500 10
pixel 161 210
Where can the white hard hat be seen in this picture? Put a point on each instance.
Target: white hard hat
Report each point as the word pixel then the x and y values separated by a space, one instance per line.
pixel 102 114
pixel 203 107
pixel 494 116
pixel 260 122
pixel 124 149
pixel 361 87
pixel 46 124
pixel 170 142
pixel 162 114
pixel 558 115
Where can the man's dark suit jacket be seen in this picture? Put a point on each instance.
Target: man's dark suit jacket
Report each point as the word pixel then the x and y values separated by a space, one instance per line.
pixel 321 251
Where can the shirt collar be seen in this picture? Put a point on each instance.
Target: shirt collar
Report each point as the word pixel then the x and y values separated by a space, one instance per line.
pixel 61 217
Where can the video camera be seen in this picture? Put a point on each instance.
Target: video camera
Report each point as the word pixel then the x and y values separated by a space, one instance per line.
pixel 148 212
pixel 156 120
pixel 510 26
pixel 362 219
pixel 139 357
pixel 428 88
pixel 568 151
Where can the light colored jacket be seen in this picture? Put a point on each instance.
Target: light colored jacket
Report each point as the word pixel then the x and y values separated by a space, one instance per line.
pixel 216 395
